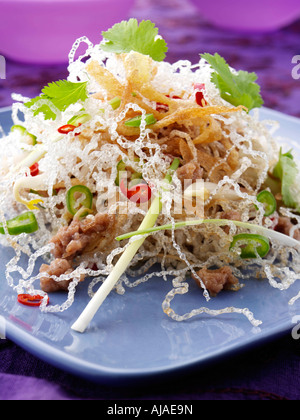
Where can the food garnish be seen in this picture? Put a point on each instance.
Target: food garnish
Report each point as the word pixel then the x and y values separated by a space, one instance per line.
pixel 130 36
pixel 286 171
pixel 236 88
pixel 60 94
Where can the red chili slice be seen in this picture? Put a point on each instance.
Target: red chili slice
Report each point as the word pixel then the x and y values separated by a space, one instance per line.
pixel 34 169
pixel 30 300
pixel 68 128
pixel 160 107
pixel 140 193
pixel 199 96
pixel 173 96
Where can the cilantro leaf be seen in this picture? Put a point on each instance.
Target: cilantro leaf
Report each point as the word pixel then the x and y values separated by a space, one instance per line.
pixel 45 109
pixel 130 36
pixel 237 89
pixel 286 170
pixel 62 94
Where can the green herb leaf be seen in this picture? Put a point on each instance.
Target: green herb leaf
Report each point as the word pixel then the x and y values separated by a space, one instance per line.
pixel 286 170
pixel 45 109
pixel 130 36
pixel 62 94
pixel 237 89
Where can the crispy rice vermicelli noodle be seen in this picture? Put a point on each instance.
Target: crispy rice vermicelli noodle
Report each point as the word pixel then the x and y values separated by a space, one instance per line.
pixel 228 149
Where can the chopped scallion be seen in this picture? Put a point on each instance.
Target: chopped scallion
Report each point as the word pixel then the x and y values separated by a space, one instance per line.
pixel 269 233
pixel 115 103
pixel 137 121
pixel 79 119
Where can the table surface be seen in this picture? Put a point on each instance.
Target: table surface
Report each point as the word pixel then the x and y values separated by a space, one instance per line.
pixel 271 371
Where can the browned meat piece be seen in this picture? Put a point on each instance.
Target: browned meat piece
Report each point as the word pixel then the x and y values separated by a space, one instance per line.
pixel 285 225
pixel 82 235
pixel 232 215
pixel 217 280
pixel 189 172
pixel 56 268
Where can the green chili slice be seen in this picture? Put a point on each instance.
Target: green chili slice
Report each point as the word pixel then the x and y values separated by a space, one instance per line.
pixel 31 139
pixel 25 223
pixel 251 244
pixel 269 202
pixel 137 121
pixel 74 194
pixel 22 130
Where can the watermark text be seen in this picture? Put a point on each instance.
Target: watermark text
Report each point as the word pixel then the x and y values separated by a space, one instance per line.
pixel 2 67
pixel 296 329
pixel 188 199
pixel 2 328
pixel 296 68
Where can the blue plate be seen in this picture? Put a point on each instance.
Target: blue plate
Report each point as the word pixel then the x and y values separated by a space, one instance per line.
pixel 131 338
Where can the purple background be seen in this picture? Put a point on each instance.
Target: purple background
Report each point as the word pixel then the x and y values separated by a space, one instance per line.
pixel 271 371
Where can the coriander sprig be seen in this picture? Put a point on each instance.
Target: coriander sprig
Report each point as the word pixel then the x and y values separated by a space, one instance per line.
pixel 236 88
pixel 130 36
pixel 61 94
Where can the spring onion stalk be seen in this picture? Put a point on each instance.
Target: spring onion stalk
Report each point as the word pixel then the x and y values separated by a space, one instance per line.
pixel 137 121
pixel 35 156
pixel 149 221
pixel 79 119
pixel 33 183
pixel 269 233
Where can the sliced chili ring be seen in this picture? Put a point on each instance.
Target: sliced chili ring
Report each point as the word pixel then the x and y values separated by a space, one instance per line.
pixel 199 95
pixel 269 201
pixel 34 169
pixel 139 193
pixel 68 128
pixel 71 198
pixel 251 245
pixel 31 300
pixel 24 223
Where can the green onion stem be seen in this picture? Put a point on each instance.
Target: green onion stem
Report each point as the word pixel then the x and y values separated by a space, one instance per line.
pixel 271 234
pixel 149 221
